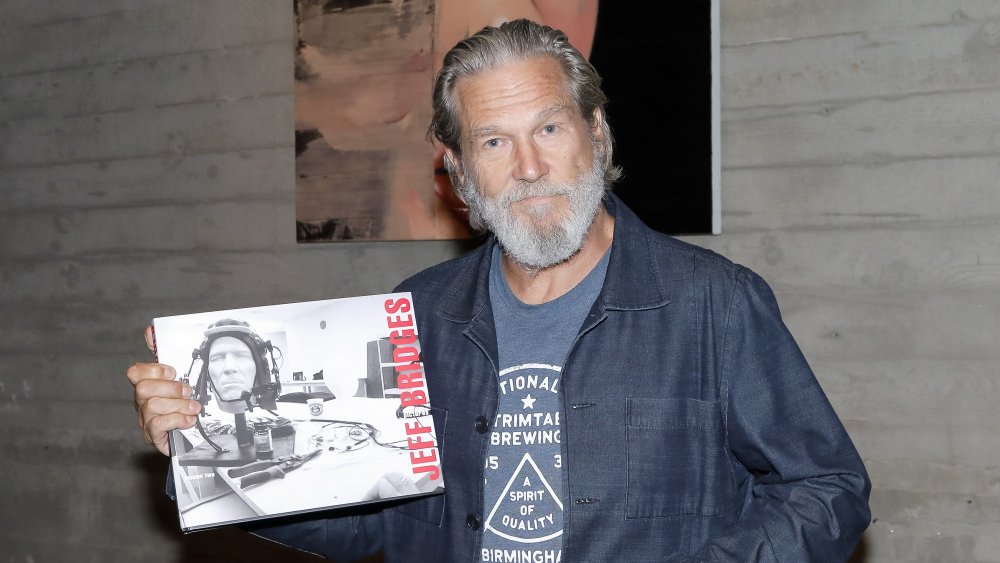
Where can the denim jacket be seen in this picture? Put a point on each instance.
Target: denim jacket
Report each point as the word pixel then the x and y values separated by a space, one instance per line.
pixel 693 428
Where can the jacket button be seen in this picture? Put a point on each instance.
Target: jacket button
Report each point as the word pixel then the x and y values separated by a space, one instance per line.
pixel 472 521
pixel 482 425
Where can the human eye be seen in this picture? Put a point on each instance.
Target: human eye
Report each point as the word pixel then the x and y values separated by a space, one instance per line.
pixel 491 143
pixel 550 129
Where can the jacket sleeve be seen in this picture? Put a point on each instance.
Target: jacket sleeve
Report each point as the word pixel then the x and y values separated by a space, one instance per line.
pixel 806 487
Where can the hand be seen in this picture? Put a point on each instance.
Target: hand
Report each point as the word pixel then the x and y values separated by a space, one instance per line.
pixel 162 403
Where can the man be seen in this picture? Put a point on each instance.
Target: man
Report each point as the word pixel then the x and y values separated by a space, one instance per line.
pixel 234 375
pixel 234 368
pixel 604 392
pixel 231 368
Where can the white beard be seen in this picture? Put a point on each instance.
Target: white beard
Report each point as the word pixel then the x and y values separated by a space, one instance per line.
pixel 536 243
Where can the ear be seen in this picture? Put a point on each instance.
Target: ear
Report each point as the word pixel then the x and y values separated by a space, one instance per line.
pixel 596 122
pixel 454 164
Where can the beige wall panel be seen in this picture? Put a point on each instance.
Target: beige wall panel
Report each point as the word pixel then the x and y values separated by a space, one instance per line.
pixel 142 32
pixel 770 20
pixel 908 194
pixel 872 326
pixel 246 71
pixel 241 175
pixel 170 133
pixel 153 281
pixel 867 131
pixel 939 56
pixel 887 255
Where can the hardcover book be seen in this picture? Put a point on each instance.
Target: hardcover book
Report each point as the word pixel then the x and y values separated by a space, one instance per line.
pixel 305 406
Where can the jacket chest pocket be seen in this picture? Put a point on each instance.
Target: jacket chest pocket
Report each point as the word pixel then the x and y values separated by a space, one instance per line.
pixel 676 464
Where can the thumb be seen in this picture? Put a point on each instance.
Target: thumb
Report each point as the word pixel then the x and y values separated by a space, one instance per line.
pixel 149 338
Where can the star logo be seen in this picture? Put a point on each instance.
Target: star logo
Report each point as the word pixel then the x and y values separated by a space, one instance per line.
pixel 529 402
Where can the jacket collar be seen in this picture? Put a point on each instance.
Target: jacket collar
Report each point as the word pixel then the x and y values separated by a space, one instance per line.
pixel 633 281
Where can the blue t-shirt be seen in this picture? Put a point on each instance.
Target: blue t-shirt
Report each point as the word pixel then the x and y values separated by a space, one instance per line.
pixel 524 469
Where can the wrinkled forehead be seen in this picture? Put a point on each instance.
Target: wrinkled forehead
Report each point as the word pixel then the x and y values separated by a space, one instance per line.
pixel 228 344
pixel 527 86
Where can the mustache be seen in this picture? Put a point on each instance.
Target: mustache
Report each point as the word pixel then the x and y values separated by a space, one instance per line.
pixel 524 190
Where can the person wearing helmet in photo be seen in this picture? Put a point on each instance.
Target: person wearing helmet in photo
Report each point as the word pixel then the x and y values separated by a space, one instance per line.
pixel 234 368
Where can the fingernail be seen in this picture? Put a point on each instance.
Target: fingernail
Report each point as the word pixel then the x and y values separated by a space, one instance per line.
pixel 186 391
pixel 194 407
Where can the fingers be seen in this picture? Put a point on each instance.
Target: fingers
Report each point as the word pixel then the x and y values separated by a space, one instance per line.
pixel 142 371
pixel 162 404
pixel 159 415
pixel 157 430
pixel 147 388
pixel 155 380
pixel 149 338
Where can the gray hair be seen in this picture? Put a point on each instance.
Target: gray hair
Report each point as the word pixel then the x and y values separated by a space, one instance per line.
pixel 516 40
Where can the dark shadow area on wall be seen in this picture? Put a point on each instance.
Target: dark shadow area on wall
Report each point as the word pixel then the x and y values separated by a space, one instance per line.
pixel 222 545
pixel 655 59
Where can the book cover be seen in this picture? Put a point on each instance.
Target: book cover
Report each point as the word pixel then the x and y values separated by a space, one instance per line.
pixel 305 406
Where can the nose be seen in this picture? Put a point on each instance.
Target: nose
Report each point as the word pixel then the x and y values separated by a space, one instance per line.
pixel 229 364
pixel 529 163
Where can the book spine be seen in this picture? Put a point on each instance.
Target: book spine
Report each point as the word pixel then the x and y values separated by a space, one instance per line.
pixel 152 332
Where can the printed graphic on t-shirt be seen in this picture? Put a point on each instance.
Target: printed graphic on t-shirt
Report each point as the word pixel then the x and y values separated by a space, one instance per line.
pixel 527 506
pixel 523 486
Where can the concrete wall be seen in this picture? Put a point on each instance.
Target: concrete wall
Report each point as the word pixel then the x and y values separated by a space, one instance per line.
pixel 146 169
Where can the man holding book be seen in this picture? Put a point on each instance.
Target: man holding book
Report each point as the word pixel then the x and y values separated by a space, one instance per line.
pixel 602 392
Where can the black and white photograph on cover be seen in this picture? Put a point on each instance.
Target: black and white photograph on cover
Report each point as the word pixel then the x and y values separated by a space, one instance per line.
pixel 305 406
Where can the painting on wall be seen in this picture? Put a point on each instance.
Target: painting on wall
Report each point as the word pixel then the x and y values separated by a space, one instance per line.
pixel 364 71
